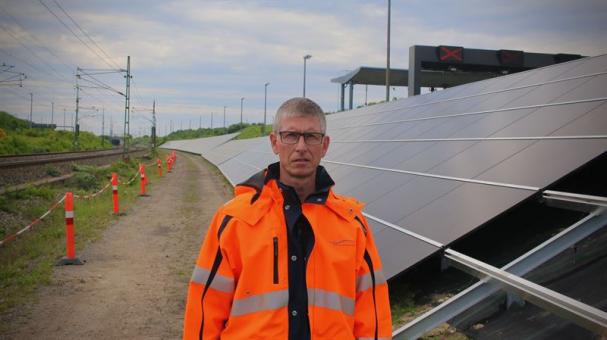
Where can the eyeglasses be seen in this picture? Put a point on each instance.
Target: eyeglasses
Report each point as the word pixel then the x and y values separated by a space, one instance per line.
pixel 292 137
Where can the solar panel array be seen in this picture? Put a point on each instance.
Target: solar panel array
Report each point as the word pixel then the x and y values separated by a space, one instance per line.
pixel 443 164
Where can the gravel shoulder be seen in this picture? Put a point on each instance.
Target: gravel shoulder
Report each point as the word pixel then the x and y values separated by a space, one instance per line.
pixel 134 282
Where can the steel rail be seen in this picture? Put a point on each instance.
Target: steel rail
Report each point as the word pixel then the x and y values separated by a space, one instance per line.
pixel 58 158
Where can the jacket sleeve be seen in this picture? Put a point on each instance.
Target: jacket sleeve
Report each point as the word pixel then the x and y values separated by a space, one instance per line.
pixel 211 287
pixel 372 317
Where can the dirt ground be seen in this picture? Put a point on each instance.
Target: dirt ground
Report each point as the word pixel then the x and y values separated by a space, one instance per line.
pixel 134 282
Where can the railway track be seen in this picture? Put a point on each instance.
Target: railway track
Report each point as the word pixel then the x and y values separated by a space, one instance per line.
pixel 13 161
pixel 16 170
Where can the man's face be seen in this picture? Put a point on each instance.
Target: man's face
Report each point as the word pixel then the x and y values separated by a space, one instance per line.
pixel 298 160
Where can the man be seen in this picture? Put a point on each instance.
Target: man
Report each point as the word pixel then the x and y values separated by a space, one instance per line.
pixel 287 258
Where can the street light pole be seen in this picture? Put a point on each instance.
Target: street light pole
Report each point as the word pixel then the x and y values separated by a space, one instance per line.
pixel 265 105
pixel 224 116
pixel 305 58
pixel 388 55
pixel 241 100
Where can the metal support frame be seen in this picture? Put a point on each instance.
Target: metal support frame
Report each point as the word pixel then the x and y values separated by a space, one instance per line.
pixel 351 88
pixel 579 202
pixel 521 266
pixel 582 314
pixel 342 88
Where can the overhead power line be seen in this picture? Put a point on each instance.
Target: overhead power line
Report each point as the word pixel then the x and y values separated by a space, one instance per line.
pixel 37 41
pixel 109 59
pixel 57 74
pixel 74 33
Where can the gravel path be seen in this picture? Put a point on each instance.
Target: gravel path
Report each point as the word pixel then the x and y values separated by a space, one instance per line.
pixel 134 282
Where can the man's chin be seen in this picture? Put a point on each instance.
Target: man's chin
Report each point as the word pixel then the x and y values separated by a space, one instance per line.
pixel 301 172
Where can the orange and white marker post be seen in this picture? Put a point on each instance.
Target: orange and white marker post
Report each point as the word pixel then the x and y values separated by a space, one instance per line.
pixel 169 163
pixel 115 193
pixel 159 163
pixel 70 257
pixel 143 179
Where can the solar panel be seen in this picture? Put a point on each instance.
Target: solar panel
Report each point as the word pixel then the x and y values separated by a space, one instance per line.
pixel 443 164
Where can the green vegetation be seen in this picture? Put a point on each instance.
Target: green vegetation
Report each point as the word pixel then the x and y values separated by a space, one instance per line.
pixel 246 131
pixel 253 131
pixel 16 138
pixel 28 262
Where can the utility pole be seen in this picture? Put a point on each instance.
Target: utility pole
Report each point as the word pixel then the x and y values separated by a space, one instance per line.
pixel 265 102
pixel 52 112
pixel 388 56
pixel 102 124
pixel 241 100
pixel 211 122
pixel 31 107
pixel 154 126
pixel 127 106
pixel 64 126
pixel 190 126
pixel 305 58
pixel 76 126
pixel 171 125
pixel 200 122
pixel 224 116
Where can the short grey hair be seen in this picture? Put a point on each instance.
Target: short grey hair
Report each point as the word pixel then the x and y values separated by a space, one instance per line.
pixel 299 106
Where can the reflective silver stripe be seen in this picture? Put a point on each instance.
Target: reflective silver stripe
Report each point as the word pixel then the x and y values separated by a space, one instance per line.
pixel 278 299
pixel 114 187
pixel 364 282
pixel 260 302
pixel 69 214
pixel 372 338
pixel 220 282
pixel 330 300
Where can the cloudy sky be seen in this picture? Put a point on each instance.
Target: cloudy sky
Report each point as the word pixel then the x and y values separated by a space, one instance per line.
pixel 195 57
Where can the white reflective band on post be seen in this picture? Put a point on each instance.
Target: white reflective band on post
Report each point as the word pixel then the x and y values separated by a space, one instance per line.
pixel 372 338
pixel 220 282
pixel 260 302
pixel 364 282
pixel 114 187
pixel 69 214
pixel 330 300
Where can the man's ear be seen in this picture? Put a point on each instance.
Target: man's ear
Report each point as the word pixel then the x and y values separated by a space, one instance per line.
pixel 273 142
pixel 325 145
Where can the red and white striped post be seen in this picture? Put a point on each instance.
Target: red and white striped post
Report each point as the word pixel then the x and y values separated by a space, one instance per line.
pixel 70 247
pixel 115 193
pixel 169 163
pixel 143 179
pixel 159 163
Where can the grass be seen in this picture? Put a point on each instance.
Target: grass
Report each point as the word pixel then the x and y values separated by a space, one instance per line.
pixel 253 131
pixel 28 262
pixel 17 138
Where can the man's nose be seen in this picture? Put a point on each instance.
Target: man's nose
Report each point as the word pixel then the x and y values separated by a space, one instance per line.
pixel 301 143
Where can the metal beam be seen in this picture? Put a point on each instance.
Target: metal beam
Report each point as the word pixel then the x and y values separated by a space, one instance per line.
pixel 573 201
pixel 582 314
pixel 486 287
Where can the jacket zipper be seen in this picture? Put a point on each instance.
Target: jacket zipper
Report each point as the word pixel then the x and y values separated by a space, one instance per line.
pixel 275 260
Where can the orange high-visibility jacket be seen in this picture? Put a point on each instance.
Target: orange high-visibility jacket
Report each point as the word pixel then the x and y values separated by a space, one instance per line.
pixel 240 285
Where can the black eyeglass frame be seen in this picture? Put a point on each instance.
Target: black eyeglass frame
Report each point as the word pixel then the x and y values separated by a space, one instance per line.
pixel 307 136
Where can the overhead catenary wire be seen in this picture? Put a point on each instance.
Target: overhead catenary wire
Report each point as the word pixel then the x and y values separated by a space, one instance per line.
pixel 57 74
pixel 74 34
pixel 39 43
pixel 109 59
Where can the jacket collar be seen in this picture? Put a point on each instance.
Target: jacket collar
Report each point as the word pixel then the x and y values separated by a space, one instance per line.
pixel 266 191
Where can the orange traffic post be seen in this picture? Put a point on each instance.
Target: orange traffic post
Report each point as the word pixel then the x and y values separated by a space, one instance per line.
pixel 115 193
pixel 159 163
pixel 169 163
pixel 70 257
pixel 143 180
